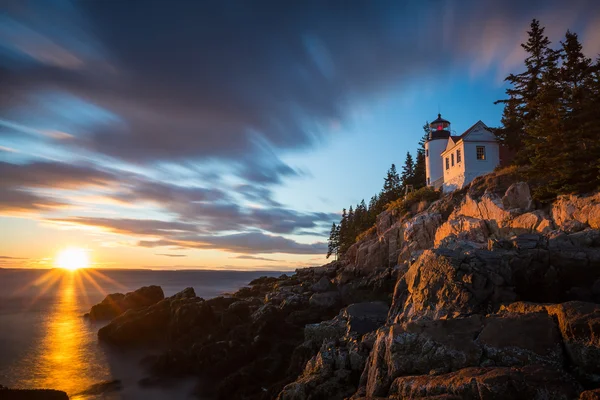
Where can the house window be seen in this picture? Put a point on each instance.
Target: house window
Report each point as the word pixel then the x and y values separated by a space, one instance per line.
pixel 481 152
pixel 452 159
pixel 428 181
pixel 426 152
pixel 447 163
pixel 458 159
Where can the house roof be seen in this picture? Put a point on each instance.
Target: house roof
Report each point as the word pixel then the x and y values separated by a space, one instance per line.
pixel 457 138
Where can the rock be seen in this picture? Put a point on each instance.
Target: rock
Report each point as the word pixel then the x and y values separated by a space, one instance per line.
pixel 518 196
pixel 590 395
pixel 102 388
pixel 419 347
pixel 584 209
pixel 489 208
pixel 419 234
pixel 352 321
pixel 464 228
pixel 526 383
pixel 572 226
pixel 187 293
pixel 579 324
pixel 363 318
pixel 190 318
pixel 326 376
pixel 138 327
pixel 444 283
pixel 32 394
pixel 116 303
pixel 325 330
pixel 322 285
pixel 518 340
pixel 325 300
pixel 531 222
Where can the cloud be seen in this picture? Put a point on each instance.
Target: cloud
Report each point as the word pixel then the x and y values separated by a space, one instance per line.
pixel 18 201
pixel 204 99
pixel 129 226
pixel 246 257
pixel 171 255
pixel 51 174
pixel 12 258
pixel 248 243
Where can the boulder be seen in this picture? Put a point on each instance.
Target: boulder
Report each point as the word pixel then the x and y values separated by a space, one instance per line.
pixel 352 321
pixel 463 228
pixel 138 327
pixel 326 376
pixel 590 395
pixel 101 388
pixel 365 317
pixel 526 383
pixel 419 234
pixel 531 222
pixel 446 283
pixel 116 303
pixel 420 347
pixel 518 340
pixel 518 196
pixel 32 394
pixel 325 300
pixel 579 324
pixel 584 209
pixel 323 285
pixel 489 208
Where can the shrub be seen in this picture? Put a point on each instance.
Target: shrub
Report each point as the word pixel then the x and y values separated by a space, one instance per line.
pixel 404 205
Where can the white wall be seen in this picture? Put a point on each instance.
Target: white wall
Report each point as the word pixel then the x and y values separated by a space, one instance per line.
pixel 454 177
pixel 475 167
pixel 433 162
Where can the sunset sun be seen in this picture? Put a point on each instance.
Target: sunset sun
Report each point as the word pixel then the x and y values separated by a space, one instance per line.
pixel 72 258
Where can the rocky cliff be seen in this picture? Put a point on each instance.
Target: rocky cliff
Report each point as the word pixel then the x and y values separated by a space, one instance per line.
pixel 483 294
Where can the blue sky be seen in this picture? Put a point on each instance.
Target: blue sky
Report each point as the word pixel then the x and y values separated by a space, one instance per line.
pixel 230 134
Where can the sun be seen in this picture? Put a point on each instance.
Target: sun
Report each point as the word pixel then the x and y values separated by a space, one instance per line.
pixel 72 258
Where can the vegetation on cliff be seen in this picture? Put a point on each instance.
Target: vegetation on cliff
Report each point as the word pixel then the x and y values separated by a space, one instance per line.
pixel 551 117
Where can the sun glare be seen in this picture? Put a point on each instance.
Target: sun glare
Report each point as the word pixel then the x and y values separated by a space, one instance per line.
pixel 72 258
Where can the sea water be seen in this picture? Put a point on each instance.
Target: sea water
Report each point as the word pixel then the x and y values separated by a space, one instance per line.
pixel 46 343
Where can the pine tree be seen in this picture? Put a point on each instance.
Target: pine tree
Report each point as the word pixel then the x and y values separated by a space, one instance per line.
pixel 521 110
pixel 420 175
pixel 544 134
pixel 392 186
pixel 332 242
pixel 408 171
pixel 580 148
pixel 351 228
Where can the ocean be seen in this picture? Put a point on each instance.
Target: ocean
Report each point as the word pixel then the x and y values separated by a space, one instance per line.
pixel 46 343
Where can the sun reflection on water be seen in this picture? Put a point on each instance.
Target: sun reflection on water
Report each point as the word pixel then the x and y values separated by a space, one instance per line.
pixel 62 360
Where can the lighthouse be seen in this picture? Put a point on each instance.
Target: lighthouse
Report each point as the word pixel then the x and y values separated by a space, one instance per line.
pixel 439 132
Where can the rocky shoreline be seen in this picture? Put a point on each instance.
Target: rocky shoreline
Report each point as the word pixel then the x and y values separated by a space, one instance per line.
pixel 483 294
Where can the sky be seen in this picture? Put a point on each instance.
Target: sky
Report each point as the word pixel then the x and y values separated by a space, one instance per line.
pixel 230 134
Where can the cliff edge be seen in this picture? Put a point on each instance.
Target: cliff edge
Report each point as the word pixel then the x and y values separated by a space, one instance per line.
pixel 483 294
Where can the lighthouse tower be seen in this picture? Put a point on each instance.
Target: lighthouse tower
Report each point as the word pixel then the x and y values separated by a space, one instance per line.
pixel 439 132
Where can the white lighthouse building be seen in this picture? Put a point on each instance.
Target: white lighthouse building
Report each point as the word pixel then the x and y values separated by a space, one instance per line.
pixel 451 162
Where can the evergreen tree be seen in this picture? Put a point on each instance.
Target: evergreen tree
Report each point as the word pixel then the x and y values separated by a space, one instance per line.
pixel 332 243
pixel 408 171
pixel 420 175
pixel 580 148
pixel 392 187
pixel 343 231
pixel 521 110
